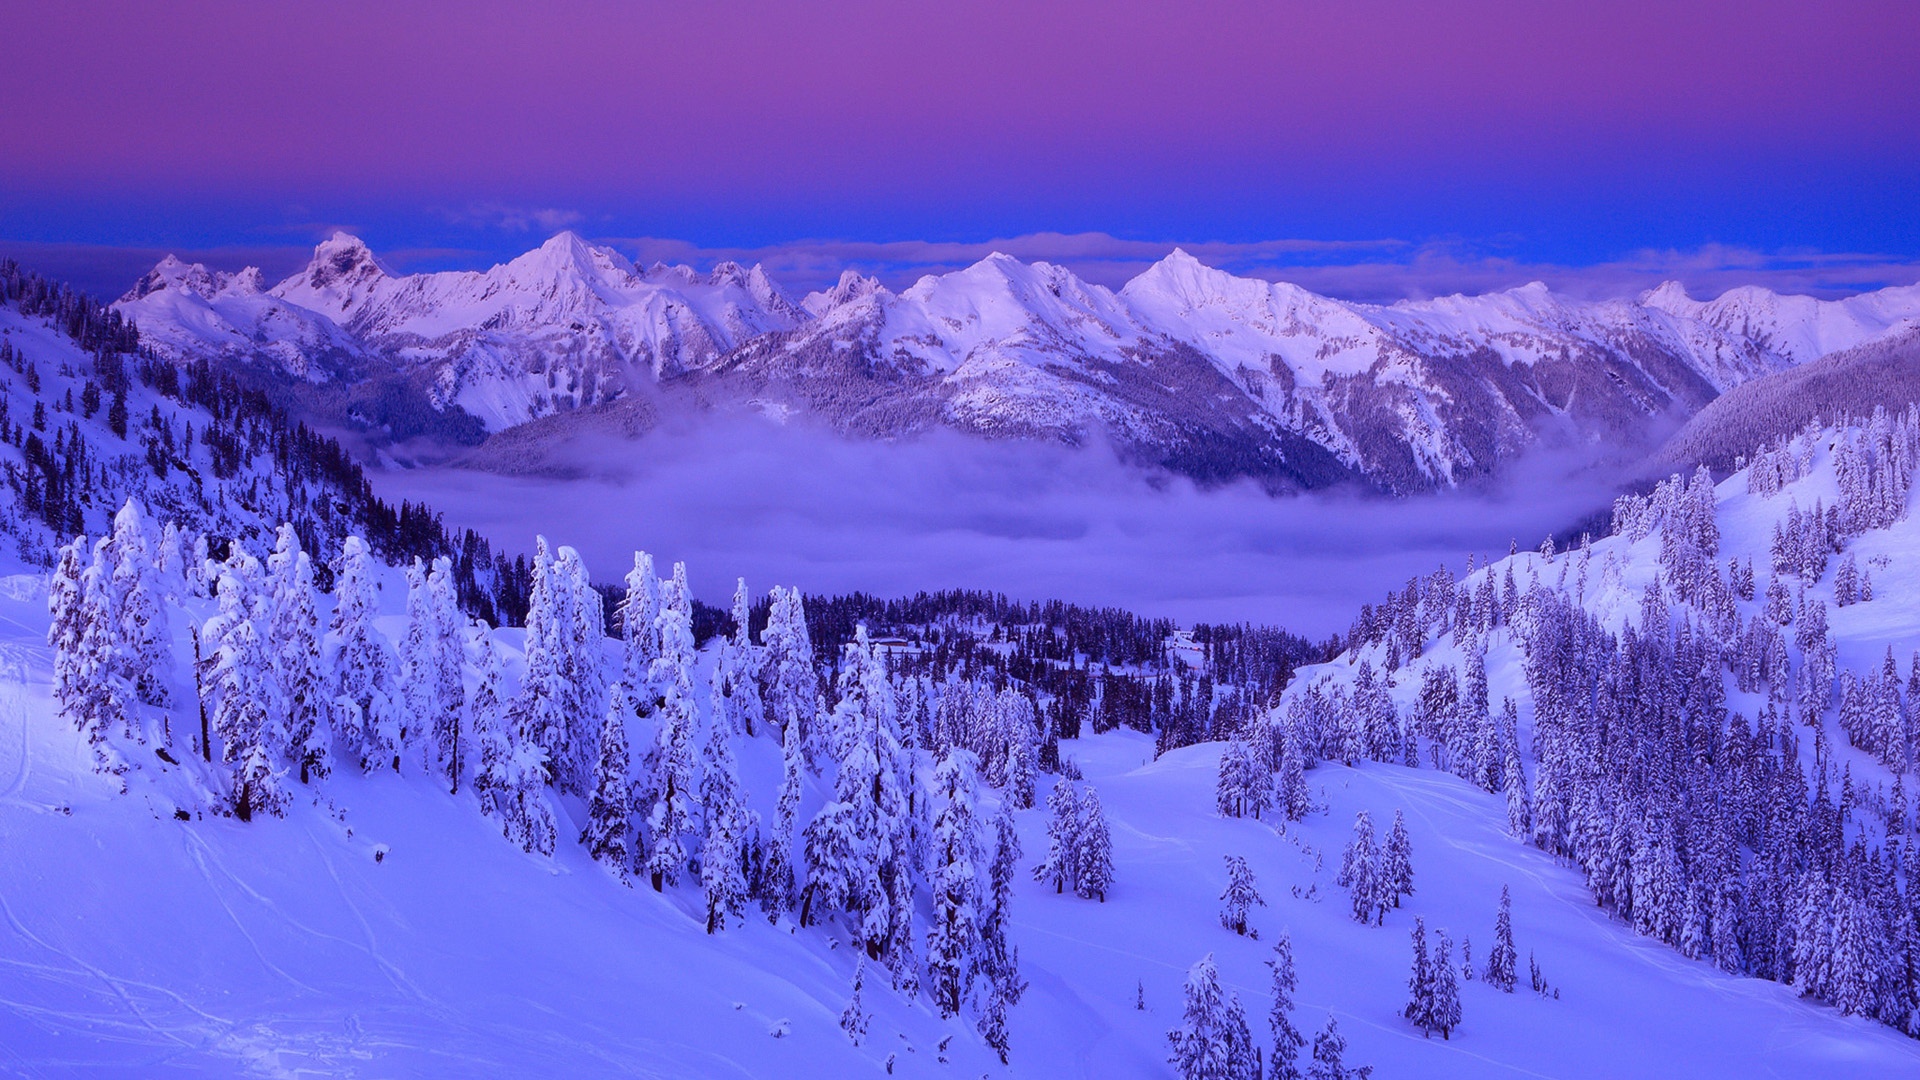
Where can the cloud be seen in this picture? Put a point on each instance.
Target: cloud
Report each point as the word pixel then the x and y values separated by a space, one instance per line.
pixel 514 219
pixel 792 505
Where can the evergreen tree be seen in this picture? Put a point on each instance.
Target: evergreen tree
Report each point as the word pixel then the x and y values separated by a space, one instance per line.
pixel 293 643
pixel 669 786
pixel 1290 794
pixel 419 662
pixel 792 688
pixel 639 615
pixel 109 697
pixel 1445 992
pixel 1359 871
pixel 608 834
pixel 1201 1045
pixel 143 645
pixel 853 1020
pixel 1329 1046
pixel 778 886
pixel 992 1023
pixel 1396 864
pixel 1244 788
pixel 739 686
pixel 239 679
pixel 953 941
pixel 999 958
pixel 1093 851
pixel 1061 868
pixel 730 824
pixel 1240 896
pixel 1420 984
pixel 1283 1062
pixel 76 665
pixel 1501 961
pixel 363 682
pixel 447 731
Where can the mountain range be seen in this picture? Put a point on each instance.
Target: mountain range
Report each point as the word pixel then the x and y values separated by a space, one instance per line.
pixel 1185 366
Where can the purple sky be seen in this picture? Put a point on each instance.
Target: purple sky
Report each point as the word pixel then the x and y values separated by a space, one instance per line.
pixel 1521 133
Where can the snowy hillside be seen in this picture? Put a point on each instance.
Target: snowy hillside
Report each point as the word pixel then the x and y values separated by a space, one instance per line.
pixel 1709 715
pixel 383 926
pixel 1187 367
pixel 401 841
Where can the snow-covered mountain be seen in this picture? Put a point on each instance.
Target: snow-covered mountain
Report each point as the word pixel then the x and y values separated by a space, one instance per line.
pixel 1709 714
pixel 1186 366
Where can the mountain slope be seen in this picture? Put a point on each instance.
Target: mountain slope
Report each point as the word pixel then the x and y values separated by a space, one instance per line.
pixel 1187 367
pixel 384 927
pixel 1851 382
pixel 1708 714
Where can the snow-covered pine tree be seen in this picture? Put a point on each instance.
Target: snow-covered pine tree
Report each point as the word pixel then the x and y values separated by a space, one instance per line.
pixel 1396 863
pixel 143 644
pixel 1244 788
pixel 1023 760
pixel 1330 1047
pixel 1502 959
pixel 109 697
pixel 777 885
pixel 293 644
pixel 1000 958
pixel 447 732
pixel 1290 795
pixel 1240 896
pixel 639 615
pixel 1445 994
pixel 608 836
pixel 240 680
pixel 363 681
pixel 1283 1062
pixel 953 939
pixel 1359 871
pixel 875 775
pixel 1519 808
pixel 1063 835
pixel 582 668
pixel 1212 1041
pixel 746 711
pixel 669 784
pixel 1420 1005
pixel 1093 850
pixel 731 826
pixel 792 688
pixel 512 778
pixel 199 568
pixel 419 663
pixel 491 725
pixel 853 1019
pixel 541 705
pixel 74 665
pixel 992 1022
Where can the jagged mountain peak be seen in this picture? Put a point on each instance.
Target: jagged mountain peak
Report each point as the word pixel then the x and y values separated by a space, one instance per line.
pixel 339 278
pixel 853 286
pixel 173 272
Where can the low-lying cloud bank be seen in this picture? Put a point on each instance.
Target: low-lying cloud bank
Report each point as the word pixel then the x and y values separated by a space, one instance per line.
pixel 787 505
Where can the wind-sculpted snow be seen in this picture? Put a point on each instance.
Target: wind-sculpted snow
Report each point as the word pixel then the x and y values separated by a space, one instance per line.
pixel 1186 367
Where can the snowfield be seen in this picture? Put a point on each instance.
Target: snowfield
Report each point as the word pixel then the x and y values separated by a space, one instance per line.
pixel 384 928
